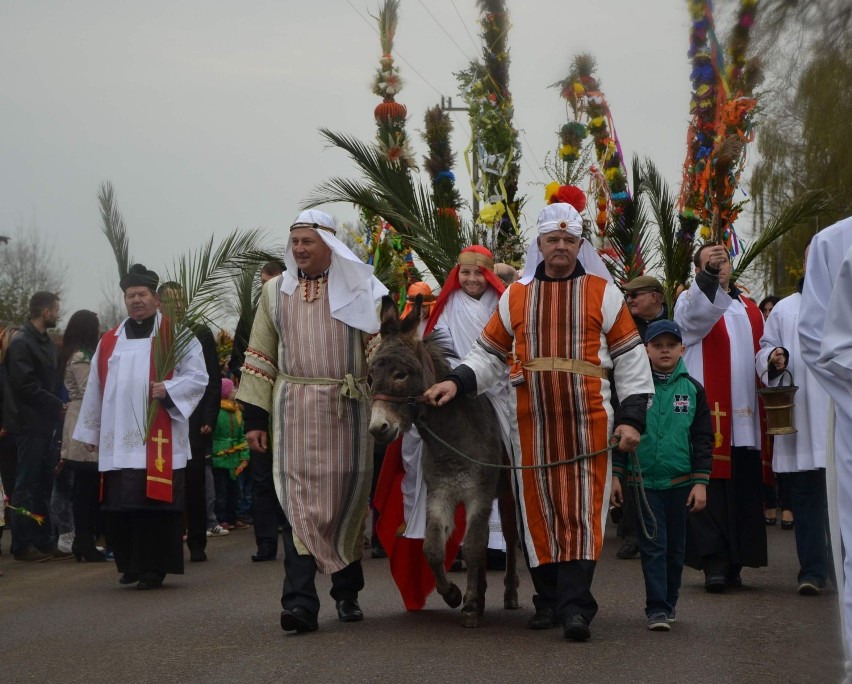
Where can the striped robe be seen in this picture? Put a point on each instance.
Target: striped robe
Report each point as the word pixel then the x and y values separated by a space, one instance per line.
pixel 321 446
pixel 560 415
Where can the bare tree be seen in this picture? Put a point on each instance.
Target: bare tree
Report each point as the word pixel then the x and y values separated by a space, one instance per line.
pixel 28 264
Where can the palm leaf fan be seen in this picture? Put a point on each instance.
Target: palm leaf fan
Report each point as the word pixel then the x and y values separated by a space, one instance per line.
pixel 627 234
pixel 675 254
pixel 388 190
pixel 803 210
pixel 114 228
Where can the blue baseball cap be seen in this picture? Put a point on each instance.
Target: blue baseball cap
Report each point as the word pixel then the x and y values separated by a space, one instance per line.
pixel 663 327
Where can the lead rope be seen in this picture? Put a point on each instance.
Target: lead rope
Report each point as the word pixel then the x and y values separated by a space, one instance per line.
pixel 638 483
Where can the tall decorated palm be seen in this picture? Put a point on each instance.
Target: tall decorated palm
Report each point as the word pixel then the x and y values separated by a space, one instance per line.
pixel 485 89
pixel 441 159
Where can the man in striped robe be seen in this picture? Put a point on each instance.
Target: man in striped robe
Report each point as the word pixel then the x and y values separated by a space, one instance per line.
pixel 564 329
pixel 303 381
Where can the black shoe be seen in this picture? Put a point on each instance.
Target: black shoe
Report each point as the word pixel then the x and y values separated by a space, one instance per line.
pixel 32 555
pixel 734 580
pixel 150 581
pixel 544 618
pixel 89 554
pixel 264 554
pixel 715 584
pixel 576 628
pixel 128 578
pixel 810 588
pixel 378 551
pixel 348 610
pixel 56 554
pixel 298 619
pixel 627 551
pixel 197 556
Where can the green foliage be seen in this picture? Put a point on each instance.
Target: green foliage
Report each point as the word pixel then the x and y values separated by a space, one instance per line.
pixel 388 190
pixel 627 234
pixel 114 228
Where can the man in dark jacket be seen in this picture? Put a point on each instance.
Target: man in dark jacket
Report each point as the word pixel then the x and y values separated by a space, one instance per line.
pixel 31 412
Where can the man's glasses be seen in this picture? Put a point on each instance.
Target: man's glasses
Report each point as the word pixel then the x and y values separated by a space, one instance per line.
pixel 634 295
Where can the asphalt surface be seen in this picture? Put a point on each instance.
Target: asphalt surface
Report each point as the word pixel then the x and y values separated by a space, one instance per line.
pixel 72 622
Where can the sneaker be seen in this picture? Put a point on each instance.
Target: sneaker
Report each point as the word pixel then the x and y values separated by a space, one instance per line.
pixel 658 622
pixel 217 531
pixel 809 588
pixel 672 617
pixel 239 525
pixel 225 525
pixel 65 542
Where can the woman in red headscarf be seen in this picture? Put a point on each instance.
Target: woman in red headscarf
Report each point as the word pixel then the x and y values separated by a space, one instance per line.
pixel 468 299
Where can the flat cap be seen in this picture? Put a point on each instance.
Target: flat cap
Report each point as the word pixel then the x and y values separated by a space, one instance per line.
pixel 644 282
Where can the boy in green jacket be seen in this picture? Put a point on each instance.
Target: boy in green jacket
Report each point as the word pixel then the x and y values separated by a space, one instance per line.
pixel 675 455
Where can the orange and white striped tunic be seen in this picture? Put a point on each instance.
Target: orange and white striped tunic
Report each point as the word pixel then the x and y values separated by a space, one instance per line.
pixel 559 414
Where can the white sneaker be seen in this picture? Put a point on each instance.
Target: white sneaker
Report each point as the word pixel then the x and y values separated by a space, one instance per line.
pixel 217 531
pixel 65 542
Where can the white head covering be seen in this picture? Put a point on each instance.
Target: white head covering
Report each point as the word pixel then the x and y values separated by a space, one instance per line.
pixel 353 291
pixel 562 216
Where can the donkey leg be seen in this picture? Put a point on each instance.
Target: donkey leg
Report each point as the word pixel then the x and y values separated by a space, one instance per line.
pixel 509 524
pixel 475 550
pixel 439 523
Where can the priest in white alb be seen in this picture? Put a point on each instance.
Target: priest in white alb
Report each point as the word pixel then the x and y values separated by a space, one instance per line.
pixel 826 339
pixel 801 454
pixel 143 475
pixel 721 330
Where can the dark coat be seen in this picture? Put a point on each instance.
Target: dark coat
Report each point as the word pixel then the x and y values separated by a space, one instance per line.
pixel 207 411
pixel 31 388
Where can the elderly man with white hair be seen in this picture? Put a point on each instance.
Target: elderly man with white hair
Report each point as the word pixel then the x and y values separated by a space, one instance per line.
pixel 565 326
pixel 303 381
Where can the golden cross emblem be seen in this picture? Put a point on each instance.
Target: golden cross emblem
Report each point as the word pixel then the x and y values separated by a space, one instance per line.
pixel 718 415
pixel 159 462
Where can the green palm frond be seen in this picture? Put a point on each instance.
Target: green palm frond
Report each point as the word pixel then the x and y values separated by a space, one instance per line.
pixel 388 190
pixel 628 234
pixel 114 228
pixel 803 210
pixel 675 254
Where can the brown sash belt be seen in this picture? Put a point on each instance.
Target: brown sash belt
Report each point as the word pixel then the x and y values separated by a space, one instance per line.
pixel 554 363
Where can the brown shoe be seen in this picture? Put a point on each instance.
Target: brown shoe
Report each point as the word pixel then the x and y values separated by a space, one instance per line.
pixel 32 555
pixel 56 554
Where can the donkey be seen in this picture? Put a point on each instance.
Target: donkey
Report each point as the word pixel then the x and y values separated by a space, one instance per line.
pixel 400 370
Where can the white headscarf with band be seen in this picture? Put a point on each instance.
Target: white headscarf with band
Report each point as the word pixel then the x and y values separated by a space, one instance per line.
pixel 562 216
pixel 353 291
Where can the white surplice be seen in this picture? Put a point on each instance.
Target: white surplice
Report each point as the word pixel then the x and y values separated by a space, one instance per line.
pixel 696 315
pixel 463 319
pixel 115 420
pixel 805 449
pixel 827 283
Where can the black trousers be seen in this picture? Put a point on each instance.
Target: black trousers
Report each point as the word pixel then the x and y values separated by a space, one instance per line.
pixel 300 572
pixel 147 542
pixel 196 501
pixel 84 503
pixel 37 461
pixel 266 511
pixel 567 587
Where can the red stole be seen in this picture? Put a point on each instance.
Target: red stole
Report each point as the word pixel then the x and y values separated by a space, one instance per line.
pixel 158 449
pixel 716 356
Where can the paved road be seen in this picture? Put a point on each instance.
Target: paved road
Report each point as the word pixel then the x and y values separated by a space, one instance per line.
pixel 69 622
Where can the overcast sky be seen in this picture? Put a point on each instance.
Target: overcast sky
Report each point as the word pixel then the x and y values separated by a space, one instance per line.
pixel 204 115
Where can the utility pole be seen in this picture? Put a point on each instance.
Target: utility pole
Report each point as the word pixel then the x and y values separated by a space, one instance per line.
pixel 447 106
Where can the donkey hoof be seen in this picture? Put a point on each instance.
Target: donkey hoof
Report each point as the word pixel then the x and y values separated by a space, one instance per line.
pixel 470 619
pixel 453 597
pixel 510 602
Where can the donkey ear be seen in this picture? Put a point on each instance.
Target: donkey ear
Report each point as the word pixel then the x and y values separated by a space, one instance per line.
pixel 389 316
pixel 411 323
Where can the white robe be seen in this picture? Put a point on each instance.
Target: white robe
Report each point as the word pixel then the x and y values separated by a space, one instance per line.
pixel 828 273
pixel 805 449
pixel 463 319
pixel 116 420
pixel 696 315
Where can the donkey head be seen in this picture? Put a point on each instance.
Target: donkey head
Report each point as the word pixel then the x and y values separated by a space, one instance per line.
pixel 397 372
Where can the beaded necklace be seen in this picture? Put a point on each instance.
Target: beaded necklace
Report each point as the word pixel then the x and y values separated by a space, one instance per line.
pixel 312 286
